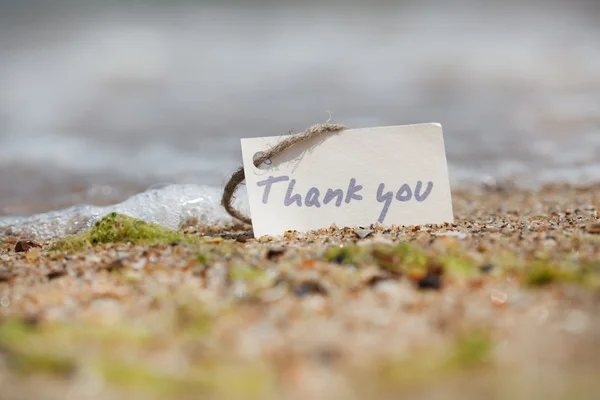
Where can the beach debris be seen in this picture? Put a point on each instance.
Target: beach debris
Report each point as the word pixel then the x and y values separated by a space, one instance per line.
pixel 487 268
pixel 113 266
pixel 309 287
pixel 576 321
pixel 593 228
pixel 56 274
pixel 456 234
pixel 498 297
pixel 275 253
pixel 541 274
pixel 432 278
pixel 430 281
pixel 6 275
pixel 363 233
pixel 344 254
pixel 139 264
pixel 23 246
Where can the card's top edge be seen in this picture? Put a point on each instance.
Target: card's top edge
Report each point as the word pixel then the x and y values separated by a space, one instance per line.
pixel 437 124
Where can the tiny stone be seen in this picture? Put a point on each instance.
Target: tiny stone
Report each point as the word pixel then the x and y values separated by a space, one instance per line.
pixel 309 287
pixel 487 268
pixel 24 245
pixel 56 274
pixel 430 281
pixel 576 321
pixel 363 233
pixel 114 266
pixel 273 254
pixel 498 298
pixel 6 276
pixel 593 228
pixel 458 235
pixel 140 264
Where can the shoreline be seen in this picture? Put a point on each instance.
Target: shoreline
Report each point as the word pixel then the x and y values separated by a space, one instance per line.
pixel 503 302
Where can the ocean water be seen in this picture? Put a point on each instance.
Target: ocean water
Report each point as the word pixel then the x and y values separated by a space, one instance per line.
pixel 99 102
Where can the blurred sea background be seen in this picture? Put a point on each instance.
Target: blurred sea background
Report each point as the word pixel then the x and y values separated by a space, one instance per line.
pixel 103 99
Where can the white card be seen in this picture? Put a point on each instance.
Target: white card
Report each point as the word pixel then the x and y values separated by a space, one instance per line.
pixel 394 175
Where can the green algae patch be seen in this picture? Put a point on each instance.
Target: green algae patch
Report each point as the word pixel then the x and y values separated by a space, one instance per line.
pixel 13 331
pixel 401 258
pixel 473 349
pixel 15 341
pixel 245 380
pixel 201 257
pixel 142 377
pixel 351 255
pixel 119 228
pixel 468 352
pixel 543 272
pixel 28 364
pixel 459 265
pixel 242 272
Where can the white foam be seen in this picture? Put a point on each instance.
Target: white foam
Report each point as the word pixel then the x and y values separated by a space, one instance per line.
pixel 170 206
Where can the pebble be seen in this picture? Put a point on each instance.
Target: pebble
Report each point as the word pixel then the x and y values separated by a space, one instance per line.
pixel 23 246
pixel 498 298
pixel 487 268
pixel 363 233
pixel 275 253
pixel 140 264
pixel 93 259
pixel 6 276
pixel 593 228
pixel 56 274
pixel 458 235
pixel 309 287
pixel 430 281
pixel 576 321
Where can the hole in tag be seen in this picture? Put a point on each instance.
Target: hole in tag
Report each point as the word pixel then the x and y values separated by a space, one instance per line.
pixel 265 165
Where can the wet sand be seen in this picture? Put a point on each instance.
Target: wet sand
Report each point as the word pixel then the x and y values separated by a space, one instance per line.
pixel 501 304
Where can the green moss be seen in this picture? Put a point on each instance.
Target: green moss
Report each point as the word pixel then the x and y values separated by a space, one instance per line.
pixel 589 274
pixel 541 274
pixel 71 244
pixel 411 255
pixel 401 258
pixel 201 257
pixel 116 228
pixel 459 265
pixel 245 273
pixel 193 319
pixel 13 331
pixel 41 363
pixel 471 350
pixel 141 377
pixel 351 254
pixel 244 381
pixel 15 338
pixel 591 280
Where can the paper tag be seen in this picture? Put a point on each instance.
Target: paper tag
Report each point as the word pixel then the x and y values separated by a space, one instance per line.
pixel 388 175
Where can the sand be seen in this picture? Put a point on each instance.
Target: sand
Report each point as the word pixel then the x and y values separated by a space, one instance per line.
pixel 501 304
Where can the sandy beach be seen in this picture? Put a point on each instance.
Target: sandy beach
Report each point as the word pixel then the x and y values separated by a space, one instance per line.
pixel 501 304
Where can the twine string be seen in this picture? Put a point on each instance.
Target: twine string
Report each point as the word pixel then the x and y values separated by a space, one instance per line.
pixel 238 176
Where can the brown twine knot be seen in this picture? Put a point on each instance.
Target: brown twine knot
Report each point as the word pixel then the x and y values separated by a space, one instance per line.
pixel 238 176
